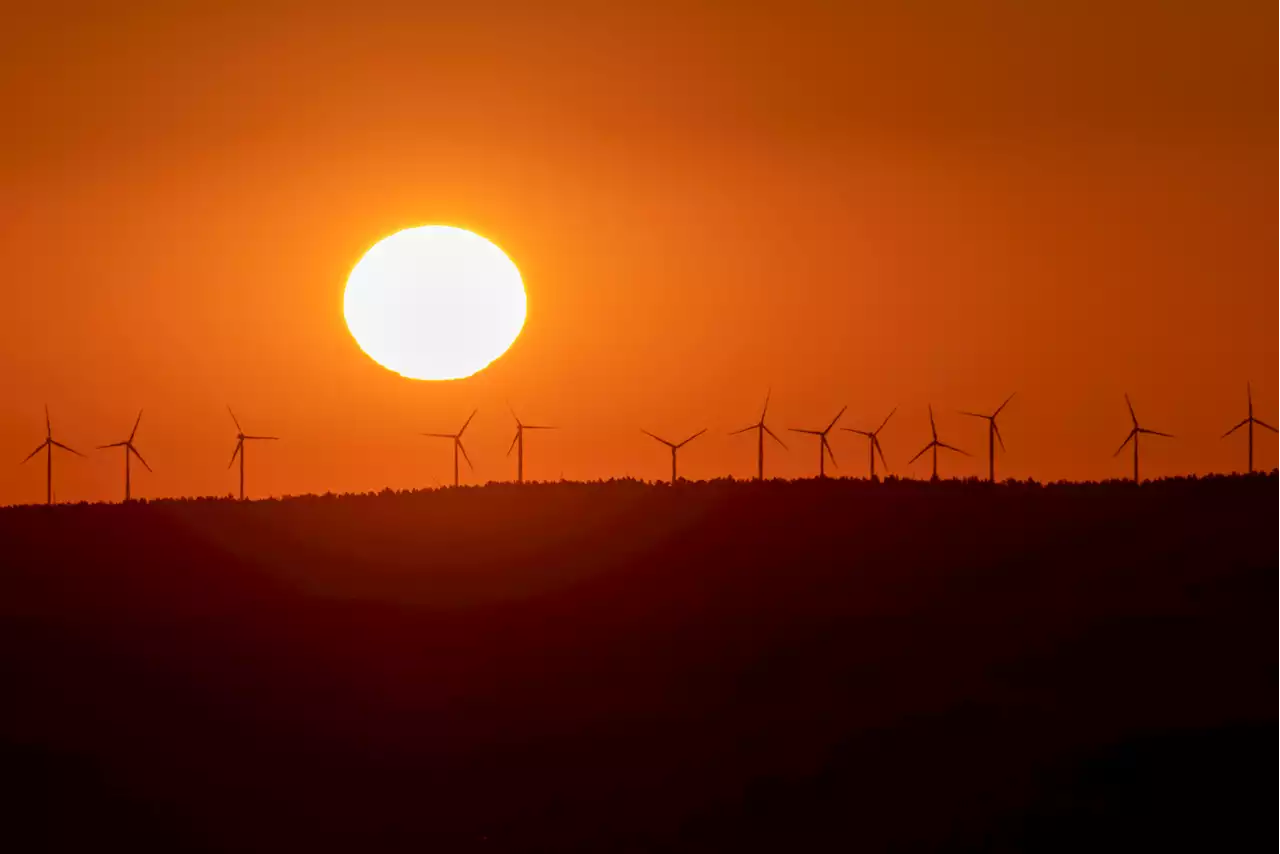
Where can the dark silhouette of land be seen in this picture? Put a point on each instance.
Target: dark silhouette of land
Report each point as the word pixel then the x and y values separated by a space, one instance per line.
pixel 823 665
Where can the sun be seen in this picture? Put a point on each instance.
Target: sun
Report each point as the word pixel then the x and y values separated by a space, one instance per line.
pixel 435 303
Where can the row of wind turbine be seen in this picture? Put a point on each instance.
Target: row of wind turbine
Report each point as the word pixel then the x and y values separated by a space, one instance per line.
pixel 760 427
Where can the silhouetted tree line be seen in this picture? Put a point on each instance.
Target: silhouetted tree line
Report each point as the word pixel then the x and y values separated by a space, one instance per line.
pixel 623 666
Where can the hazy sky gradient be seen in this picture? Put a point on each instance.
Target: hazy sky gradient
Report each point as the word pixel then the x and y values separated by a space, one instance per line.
pixel 873 208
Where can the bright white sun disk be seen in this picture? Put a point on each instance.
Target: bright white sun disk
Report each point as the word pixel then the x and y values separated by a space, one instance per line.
pixel 435 303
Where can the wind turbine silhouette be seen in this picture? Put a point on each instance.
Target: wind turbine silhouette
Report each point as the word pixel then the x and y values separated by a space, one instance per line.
pixel 935 445
pixel 127 444
pixel 457 444
pixel 1250 421
pixel 49 443
pixel 674 446
pixel 761 428
pixel 824 447
pixel 241 438
pixel 518 442
pixel 1133 437
pixel 874 437
pixel 993 433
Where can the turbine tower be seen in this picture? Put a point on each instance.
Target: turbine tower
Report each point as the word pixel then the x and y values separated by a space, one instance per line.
pixel 824 447
pixel 1133 437
pixel 49 444
pixel 241 438
pixel 518 443
pixel 1250 421
pixel 457 444
pixel 674 446
pixel 129 449
pixel 874 437
pixel 935 445
pixel 993 433
pixel 761 428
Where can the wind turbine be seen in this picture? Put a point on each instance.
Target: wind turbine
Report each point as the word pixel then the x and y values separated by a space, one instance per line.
pixel 1250 421
pixel 935 445
pixel 761 428
pixel 457 444
pixel 49 443
pixel 1133 436
pixel 241 438
pixel 129 449
pixel 517 443
pixel 824 447
pixel 874 437
pixel 674 446
pixel 993 433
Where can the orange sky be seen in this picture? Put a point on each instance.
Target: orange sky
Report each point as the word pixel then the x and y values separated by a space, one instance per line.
pixel 876 209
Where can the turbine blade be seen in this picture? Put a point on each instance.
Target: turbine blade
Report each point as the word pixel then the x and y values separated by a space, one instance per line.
pixel 134 451
pixel 235 420
pixel 273 438
pixel 38 449
pixel 837 418
pixel 513 413
pixel 775 437
pixel 463 448
pixel 802 430
pixel 875 443
pixel 999 438
pixel 112 445
pixel 954 448
pixel 514 439
pixel 136 422
pixel 539 427
pixel 921 454
pixel 1129 404
pixel 745 429
pixel 765 410
pixel 886 420
pixel 826 446
pixel 855 430
pixel 691 438
pixel 973 414
pixel 1261 423
pixel 239 445
pixel 468 421
pixel 932 425
pixel 1003 405
pixel 441 435
pixel 1155 432
pixel 48 425
pixel 65 447
pixel 659 438
pixel 1126 441
pixel 1237 427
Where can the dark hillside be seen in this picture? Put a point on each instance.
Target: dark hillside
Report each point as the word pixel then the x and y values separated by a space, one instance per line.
pixel 624 667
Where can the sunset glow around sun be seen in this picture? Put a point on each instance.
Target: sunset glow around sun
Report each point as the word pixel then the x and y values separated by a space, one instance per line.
pixel 435 303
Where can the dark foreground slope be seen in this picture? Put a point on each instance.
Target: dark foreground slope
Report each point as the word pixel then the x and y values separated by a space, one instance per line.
pixel 618 667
